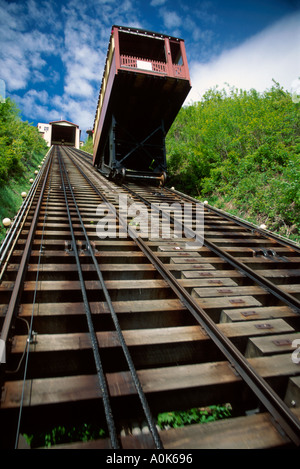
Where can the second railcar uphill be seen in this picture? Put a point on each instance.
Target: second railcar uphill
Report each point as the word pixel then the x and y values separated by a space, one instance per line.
pixel 145 82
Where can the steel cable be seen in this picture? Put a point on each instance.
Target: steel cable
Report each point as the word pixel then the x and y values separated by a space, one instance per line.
pixel 30 328
pixel 97 358
pixel 150 421
pixel 273 403
pixel 11 234
pixel 278 409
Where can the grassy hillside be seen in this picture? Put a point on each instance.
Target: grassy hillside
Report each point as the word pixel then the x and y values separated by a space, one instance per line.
pixel 241 151
pixel 88 146
pixel 21 150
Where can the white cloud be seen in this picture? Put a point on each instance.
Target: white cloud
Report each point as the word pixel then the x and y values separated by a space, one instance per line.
pixel 44 14
pixel 22 52
pixel 86 39
pixel 64 44
pixel 33 52
pixel 38 106
pixel 80 112
pixel 84 65
pixel 156 3
pixel 272 54
pixel 11 14
pixel 33 104
pixel 14 72
pixel 77 86
pixel 83 71
pixel 170 18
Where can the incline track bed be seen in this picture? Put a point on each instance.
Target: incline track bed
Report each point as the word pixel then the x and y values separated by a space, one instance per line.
pixel 121 329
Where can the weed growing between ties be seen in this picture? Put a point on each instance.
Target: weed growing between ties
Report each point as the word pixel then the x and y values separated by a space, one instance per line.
pixel 64 434
pixel 195 415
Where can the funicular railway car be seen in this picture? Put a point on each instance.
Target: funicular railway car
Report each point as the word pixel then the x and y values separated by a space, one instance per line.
pixel 145 82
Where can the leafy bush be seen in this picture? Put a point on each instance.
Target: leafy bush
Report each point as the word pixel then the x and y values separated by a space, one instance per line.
pixel 242 146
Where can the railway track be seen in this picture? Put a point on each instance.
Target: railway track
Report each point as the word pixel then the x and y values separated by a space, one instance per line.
pixel 115 309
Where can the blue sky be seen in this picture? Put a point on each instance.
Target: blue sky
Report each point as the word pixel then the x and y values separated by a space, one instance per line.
pixel 53 52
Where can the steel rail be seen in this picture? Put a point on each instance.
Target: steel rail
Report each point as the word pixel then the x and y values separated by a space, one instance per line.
pixel 16 293
pixel 98 363
pixel 273 403
pixel 281 413
pixel 125 349
pixel 243 223
pixel 263 282
pixel 12 236
pixel 30 326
